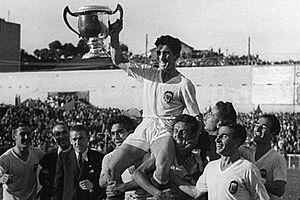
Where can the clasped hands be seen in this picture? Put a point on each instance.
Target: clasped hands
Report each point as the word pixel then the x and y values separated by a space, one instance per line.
pixel 86 185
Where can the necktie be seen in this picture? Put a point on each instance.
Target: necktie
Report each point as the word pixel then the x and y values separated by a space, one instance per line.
pixel 80 160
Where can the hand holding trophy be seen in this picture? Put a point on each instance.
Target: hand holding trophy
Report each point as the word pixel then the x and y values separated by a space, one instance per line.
pixel 93 26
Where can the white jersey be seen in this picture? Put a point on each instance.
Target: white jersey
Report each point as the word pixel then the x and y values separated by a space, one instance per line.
pixel 272 165
pixel 240 181
pixel 164 100
pixel 24 181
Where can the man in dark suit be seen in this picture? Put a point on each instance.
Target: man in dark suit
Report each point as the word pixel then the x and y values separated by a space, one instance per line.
pixel 60 133
pixel 78 170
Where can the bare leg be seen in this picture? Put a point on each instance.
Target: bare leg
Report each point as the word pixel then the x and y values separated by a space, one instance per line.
pixel 124 156
pixel 164 152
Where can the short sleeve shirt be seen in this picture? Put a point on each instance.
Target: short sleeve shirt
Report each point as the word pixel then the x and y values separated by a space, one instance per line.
pixel 240 181
pixel 24 180
pixel 272 165
pixel 164 99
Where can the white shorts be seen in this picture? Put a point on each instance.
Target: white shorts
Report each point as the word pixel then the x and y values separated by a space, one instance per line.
pixel 149 130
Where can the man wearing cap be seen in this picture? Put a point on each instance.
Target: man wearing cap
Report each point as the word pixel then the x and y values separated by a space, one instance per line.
pixel 18 167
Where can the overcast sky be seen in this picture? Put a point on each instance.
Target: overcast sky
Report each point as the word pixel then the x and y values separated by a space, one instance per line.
pixel 272 25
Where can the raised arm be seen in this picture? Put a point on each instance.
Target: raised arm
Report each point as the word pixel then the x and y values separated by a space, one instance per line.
pixel 115 48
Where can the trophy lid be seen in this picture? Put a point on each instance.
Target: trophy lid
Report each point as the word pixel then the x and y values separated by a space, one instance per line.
pixel 93 9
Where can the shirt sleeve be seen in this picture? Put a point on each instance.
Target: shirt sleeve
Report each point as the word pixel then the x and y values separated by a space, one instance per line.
pixel 245 152
pixel 139 71
pixel 189 97
pixel 104 164
pixel 201 184
pixel 4 164
pixel 280 169
pixel 255 184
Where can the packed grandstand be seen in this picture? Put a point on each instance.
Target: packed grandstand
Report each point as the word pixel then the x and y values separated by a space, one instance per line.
pixel 42 115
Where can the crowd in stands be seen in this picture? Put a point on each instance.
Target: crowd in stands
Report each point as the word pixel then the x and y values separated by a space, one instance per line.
pixel 42 115
pixel 209 58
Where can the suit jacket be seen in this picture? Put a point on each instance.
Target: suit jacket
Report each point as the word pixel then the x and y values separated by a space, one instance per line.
pixel 68 175
pixel 47 175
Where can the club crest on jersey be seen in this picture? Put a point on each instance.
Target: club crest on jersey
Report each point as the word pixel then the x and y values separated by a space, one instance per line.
pixel 168 96
pixel 263 173
pixel 233 187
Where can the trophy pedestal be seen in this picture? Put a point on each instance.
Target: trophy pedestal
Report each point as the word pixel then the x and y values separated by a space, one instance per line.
pixel 90 55
pixel 97 49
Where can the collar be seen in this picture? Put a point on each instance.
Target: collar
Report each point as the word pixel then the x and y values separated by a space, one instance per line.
pixel 84 155
pixel 61 150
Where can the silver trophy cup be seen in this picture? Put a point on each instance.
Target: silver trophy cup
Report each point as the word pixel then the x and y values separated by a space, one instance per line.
pixel 93 27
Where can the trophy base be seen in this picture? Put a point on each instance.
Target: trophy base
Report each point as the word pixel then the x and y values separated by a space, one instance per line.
pixel 95 55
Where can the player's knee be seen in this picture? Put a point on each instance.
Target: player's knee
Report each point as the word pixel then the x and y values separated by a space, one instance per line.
pixel 162 169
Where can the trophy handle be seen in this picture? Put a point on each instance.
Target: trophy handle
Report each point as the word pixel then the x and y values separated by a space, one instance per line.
pixel 120 9
pixel 67 10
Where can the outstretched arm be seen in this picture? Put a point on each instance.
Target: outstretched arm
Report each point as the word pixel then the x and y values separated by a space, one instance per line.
pixel 186 187
pixel 115 189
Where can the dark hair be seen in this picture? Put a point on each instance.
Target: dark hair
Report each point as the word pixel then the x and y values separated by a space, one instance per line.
pixel 80 127
pixel 275 128
pixel 21 126
pixel 227 111
pixel 61 123
pixel 239 131
pixel 173 43
pixel 122 119
pixel 188 119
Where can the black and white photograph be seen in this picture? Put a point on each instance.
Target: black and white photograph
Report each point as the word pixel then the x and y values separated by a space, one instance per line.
pixel 149 100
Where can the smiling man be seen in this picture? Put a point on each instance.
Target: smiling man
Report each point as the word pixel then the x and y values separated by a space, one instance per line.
pixel 166 94
pixel 18 167
pixel 221 111
pixel 231 177
pixel 120 128
pixel 188 165
pixel 272 164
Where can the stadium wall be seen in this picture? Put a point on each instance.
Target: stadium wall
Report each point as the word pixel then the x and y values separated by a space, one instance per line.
pixel 274 88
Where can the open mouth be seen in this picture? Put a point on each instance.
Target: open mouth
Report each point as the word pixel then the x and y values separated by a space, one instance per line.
pixel 219 146
pixel 258 134
pixel 162 64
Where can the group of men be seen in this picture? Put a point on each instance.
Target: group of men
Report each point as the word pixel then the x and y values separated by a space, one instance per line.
pixel 165 156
